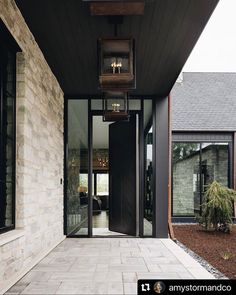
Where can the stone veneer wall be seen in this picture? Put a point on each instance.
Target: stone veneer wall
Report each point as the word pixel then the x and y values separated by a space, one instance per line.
pixel 39 159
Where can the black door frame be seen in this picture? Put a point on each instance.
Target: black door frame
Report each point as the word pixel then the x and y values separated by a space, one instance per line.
pixel 91 114
pixel 159 152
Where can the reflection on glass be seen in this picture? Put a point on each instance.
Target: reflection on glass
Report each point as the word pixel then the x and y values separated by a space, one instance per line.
pixel 7 138
pixel 77 168
pixel 148 173
pixel 186 178
pixel 195 166
pixel 214 163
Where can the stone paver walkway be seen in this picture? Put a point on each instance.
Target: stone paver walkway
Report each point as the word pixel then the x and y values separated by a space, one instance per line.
pixel 108 266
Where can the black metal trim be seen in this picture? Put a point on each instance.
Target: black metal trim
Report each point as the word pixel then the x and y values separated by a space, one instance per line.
pixel 90 172
pixel 161 167
pixel 154 136
pixel 141 171
pixel 65 162
pixel 201 180
pixel 184 219
pixel 98 96
pixel 230 167
pixel 103 237
pixel 95 183
pixel 172 182
pixel 204 136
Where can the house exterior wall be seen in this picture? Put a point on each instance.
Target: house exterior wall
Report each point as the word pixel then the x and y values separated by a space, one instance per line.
pixel 39 156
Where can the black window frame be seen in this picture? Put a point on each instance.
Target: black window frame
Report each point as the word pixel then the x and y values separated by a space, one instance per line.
pixel 7 46
pixel 200 138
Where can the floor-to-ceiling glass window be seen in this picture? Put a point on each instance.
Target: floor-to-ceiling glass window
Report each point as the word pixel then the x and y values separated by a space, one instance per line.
pixel 148 169
pixel 7 137
pixel 77 168
pixel 195 166
pixel 186 178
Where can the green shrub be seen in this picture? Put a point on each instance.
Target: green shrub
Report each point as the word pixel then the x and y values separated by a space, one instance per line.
pixel 217 208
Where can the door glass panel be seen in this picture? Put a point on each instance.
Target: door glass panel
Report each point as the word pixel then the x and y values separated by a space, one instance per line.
pixel 77 168
pixel 148 171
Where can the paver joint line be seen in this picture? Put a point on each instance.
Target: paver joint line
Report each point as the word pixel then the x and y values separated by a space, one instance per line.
pixel 107 266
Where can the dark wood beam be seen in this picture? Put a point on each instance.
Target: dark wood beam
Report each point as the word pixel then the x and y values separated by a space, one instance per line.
pixel 117 8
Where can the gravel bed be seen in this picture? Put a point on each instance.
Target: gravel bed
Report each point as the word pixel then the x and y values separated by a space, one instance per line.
pixel 215 272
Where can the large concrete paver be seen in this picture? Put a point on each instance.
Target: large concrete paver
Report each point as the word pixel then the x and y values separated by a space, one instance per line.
pixel 108 266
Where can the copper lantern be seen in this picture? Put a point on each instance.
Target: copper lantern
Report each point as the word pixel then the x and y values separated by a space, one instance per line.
pixel 115 106
pixel 116 64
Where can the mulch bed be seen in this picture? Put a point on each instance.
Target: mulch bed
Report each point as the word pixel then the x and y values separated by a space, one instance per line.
pixel 217 248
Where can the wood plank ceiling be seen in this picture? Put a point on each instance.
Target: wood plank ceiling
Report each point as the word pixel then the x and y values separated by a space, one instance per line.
pixel 165 36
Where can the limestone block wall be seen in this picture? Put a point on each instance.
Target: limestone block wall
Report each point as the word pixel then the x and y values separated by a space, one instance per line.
pixel 39 155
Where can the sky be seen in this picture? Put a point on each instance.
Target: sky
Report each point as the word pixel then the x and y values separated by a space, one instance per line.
pixel 215 50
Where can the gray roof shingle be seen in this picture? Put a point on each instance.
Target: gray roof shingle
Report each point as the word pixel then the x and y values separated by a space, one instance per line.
pixel 204 102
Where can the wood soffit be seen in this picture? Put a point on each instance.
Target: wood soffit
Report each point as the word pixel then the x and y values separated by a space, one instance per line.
pixel 164 38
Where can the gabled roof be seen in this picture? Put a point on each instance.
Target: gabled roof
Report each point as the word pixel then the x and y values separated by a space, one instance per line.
pixel 204 102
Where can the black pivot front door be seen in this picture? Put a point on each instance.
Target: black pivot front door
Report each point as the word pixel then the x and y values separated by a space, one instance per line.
pixel 122 177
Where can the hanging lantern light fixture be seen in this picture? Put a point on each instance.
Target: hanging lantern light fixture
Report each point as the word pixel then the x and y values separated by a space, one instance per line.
pixel 116 63
pixel 115 106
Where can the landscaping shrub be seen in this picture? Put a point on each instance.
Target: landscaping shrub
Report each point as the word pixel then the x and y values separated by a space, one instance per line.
pixel 217 208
